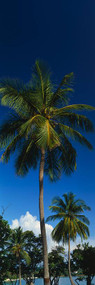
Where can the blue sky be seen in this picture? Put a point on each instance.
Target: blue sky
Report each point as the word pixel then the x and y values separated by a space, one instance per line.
pixel 61 33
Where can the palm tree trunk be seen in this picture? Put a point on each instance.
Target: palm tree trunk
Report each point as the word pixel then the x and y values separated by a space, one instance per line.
pixel 19 272
pixel 69 266
pixel 89 280
pixel 42 223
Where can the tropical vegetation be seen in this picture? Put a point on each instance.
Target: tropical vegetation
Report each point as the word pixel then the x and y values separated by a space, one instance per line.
pixel 4 236
pixel 84 261
pixel 72 221
pixel 33 247
pixel 82 258
pixel 20 252
pixel 56 264
pixel 39 128
pixel 17 247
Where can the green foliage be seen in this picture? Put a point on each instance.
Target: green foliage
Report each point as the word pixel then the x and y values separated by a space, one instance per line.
pixel 84 259
pixel 72 221
pixel 17 245
pixel 40 118
pixel 4 236
pixel 33 247
pixel 56 262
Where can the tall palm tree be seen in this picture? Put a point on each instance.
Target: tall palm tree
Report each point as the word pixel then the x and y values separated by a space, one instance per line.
pixel 72 221
pixel 17 247
pixel 38 128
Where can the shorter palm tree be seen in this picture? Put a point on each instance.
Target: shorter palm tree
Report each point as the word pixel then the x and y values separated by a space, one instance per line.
pixel 17 246
pixel 72 221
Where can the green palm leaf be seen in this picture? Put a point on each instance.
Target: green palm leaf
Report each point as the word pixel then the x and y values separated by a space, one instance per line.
pixel 28 156
pixel 47 136
pixel 25 256
pixel 53 165
pixel 70 108
pixel 75 135
pixel 72 222
pixel 10 148
pixel 9 130
pixel 61 94
pixel 76 121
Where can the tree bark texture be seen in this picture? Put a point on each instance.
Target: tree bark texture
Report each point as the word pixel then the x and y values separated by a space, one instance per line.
pixel 69 266
pixel 42 223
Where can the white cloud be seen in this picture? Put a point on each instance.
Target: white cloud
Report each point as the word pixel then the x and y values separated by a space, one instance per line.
pixel 29 222
pixel 15 224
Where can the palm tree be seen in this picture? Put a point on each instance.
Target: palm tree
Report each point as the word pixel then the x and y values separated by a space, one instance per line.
pixel 38 128
pixel 72 221
pixel 17 247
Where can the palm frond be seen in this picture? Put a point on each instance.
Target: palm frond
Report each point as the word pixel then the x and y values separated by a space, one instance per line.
pixel 52 164
pixel 47 136
pixel 48 92
pixel 58 231
pixel 82 230
pixel 61 94
pixel 27 158
pixel 75 135
pixel 75 121
pixel 25 256
pixel 59 204
pixel 70 108
pixel 81 206
pixel 10 148
pixel 69 198
pixel 83 219
pixel 19 97
pixel 68 157
pixel 54 217
pixel 57 209
pixel 72 222
pixel 29 125
pixel 9 129
pixel 41 81
pixel 11 92
pixel 39 72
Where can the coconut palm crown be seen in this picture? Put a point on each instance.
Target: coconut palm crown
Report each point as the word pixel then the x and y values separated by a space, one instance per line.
pixel 17 247
pixel 72 220
pixel 41 118
pixel 17 244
